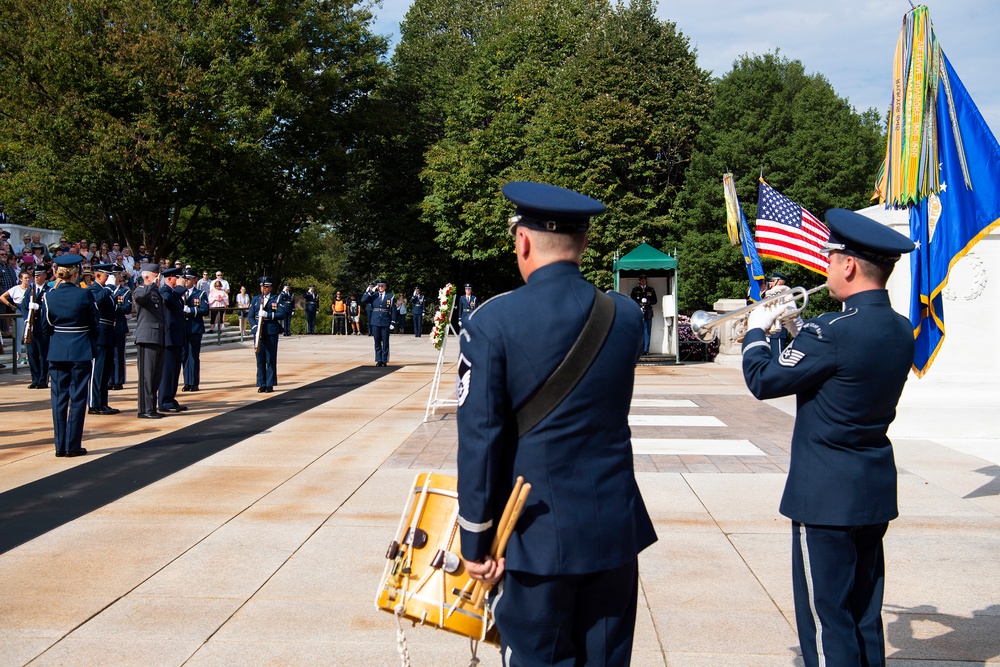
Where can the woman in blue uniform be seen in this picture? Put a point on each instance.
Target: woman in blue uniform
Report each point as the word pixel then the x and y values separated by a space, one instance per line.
pixel 71 322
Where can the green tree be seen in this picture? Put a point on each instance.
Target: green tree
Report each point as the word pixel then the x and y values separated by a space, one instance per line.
pixel 184 126
pixel 768 117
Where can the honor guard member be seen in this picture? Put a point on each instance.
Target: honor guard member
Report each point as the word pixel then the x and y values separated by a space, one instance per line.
pixel 569 593
pixel 379 320
pixel 33 311
pixel 368 307
pixel 311 307
pixel 645 296
pixel 847 370
pixel 266 313
pixel 195 309
pixel 71 322
pixel 150 334
pixel 175 330
pixel 466 304
pixel 417 308
pixel 287 300
pixel 123 308
pixel 104 344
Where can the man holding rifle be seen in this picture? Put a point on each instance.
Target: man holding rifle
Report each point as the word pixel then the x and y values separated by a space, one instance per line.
pixel 570 577
pixel 266 313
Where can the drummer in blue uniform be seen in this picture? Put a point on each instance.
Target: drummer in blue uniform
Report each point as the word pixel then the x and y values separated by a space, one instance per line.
pixel 847 370
pixel 266 313
pixel 195 310
pixel 71 322
pixel 570 577
pixel 378 322
pixel 123 308
pixel 104 344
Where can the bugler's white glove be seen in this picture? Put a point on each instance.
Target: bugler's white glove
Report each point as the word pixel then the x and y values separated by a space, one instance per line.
pixel 762 317
pixel 794 326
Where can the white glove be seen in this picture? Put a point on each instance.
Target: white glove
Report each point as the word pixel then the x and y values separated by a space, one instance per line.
pixel 34 306
pixel 762 317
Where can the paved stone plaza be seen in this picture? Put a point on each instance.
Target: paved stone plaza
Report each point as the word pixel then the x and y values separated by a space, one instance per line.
pixel 252 530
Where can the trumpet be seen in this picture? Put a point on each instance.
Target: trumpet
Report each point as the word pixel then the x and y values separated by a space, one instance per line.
pixel 705 326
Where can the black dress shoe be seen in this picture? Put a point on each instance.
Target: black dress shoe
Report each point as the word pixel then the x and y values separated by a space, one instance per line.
pixel 261 390
pixel 32 386
pixel 76 452
pixel 59 455
pixel 150 415
pixel 185 388
pixel 268 390
pixel 42 386
pixel 102 411
pixel 194 387
pixel 110 410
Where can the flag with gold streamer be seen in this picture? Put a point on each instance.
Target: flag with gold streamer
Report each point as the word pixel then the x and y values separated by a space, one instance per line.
pixel 739 235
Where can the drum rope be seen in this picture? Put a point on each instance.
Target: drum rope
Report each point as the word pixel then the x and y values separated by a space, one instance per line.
pixel 404 652
pixel 473 646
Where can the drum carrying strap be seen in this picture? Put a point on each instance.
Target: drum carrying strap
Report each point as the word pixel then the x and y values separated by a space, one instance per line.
pixel 572 368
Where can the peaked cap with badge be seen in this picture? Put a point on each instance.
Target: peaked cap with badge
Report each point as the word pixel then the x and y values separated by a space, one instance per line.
pixel 858 235
pixel 551 208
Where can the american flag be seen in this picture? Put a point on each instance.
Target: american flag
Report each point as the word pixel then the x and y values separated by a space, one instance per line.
pixel 788 232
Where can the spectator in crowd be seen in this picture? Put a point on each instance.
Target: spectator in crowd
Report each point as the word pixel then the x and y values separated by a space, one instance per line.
pixel 128 266
pixel 399 313
pixel 19 250
pixel 218 301
pixel 205 285
pixel 243 303
pixel 115 254
pixel 225 283
pixel 354 313
pixel 8 279
pixel 143 257
pixel 339 310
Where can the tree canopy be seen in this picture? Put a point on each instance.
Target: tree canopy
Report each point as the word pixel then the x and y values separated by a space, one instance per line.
pixel 769 117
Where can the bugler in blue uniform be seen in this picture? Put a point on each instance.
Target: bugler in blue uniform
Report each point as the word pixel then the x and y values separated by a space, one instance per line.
pixel 71 323
pixel 569 593
pixel 195 310
pixel 847 371
pixel 104 344
pixel 266 312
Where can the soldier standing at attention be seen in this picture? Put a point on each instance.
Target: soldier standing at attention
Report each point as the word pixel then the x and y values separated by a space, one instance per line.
pixel 417 308
pixel 466 304
pixel 645 296
pixel 32 311
pixel 266 312
pixel 570 574
pixel 175 329
pixel 195 309
pixel 846 370
pixel 71 322
pixel 150 334
pixel 123 308
pixel 104 344
pixel 379 320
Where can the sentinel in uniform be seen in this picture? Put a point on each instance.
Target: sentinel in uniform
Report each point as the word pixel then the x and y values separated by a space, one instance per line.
pixel 847 371
pixel 379 320
pixel 266 312
pixel 71 323
pixel 645 297
pixel 570 577
pixel 195 310
pixel 123 308
pixel 38 348
pixel 104 344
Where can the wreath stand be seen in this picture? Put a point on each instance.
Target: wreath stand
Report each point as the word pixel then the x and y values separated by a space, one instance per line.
pixel 435 400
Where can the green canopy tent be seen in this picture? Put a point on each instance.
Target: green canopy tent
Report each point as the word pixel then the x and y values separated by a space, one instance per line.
pixel 660 270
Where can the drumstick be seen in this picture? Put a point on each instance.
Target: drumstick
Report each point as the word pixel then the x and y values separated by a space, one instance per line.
pixel 500 543
pixel 505 517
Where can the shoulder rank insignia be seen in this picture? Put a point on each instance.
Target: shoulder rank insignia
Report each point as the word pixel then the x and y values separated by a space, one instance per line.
pixel 790 357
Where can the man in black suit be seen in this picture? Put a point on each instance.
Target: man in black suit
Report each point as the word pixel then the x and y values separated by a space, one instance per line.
pixel 149 338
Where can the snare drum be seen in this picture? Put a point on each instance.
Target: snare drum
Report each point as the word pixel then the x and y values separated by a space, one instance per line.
pixel 424 578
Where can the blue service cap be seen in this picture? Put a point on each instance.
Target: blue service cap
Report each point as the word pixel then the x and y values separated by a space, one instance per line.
pixel 189 273
pixel 265 281
pixel 857 235
pixel 777 275
pixel 68 260
pixel 150 267
pixel 103 268
pixel 380 281
pixel 551 208
pixel 172 272
pixel 40 269
pixel 117 268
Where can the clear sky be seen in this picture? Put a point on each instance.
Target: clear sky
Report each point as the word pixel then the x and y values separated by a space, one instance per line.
pixel 851 42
